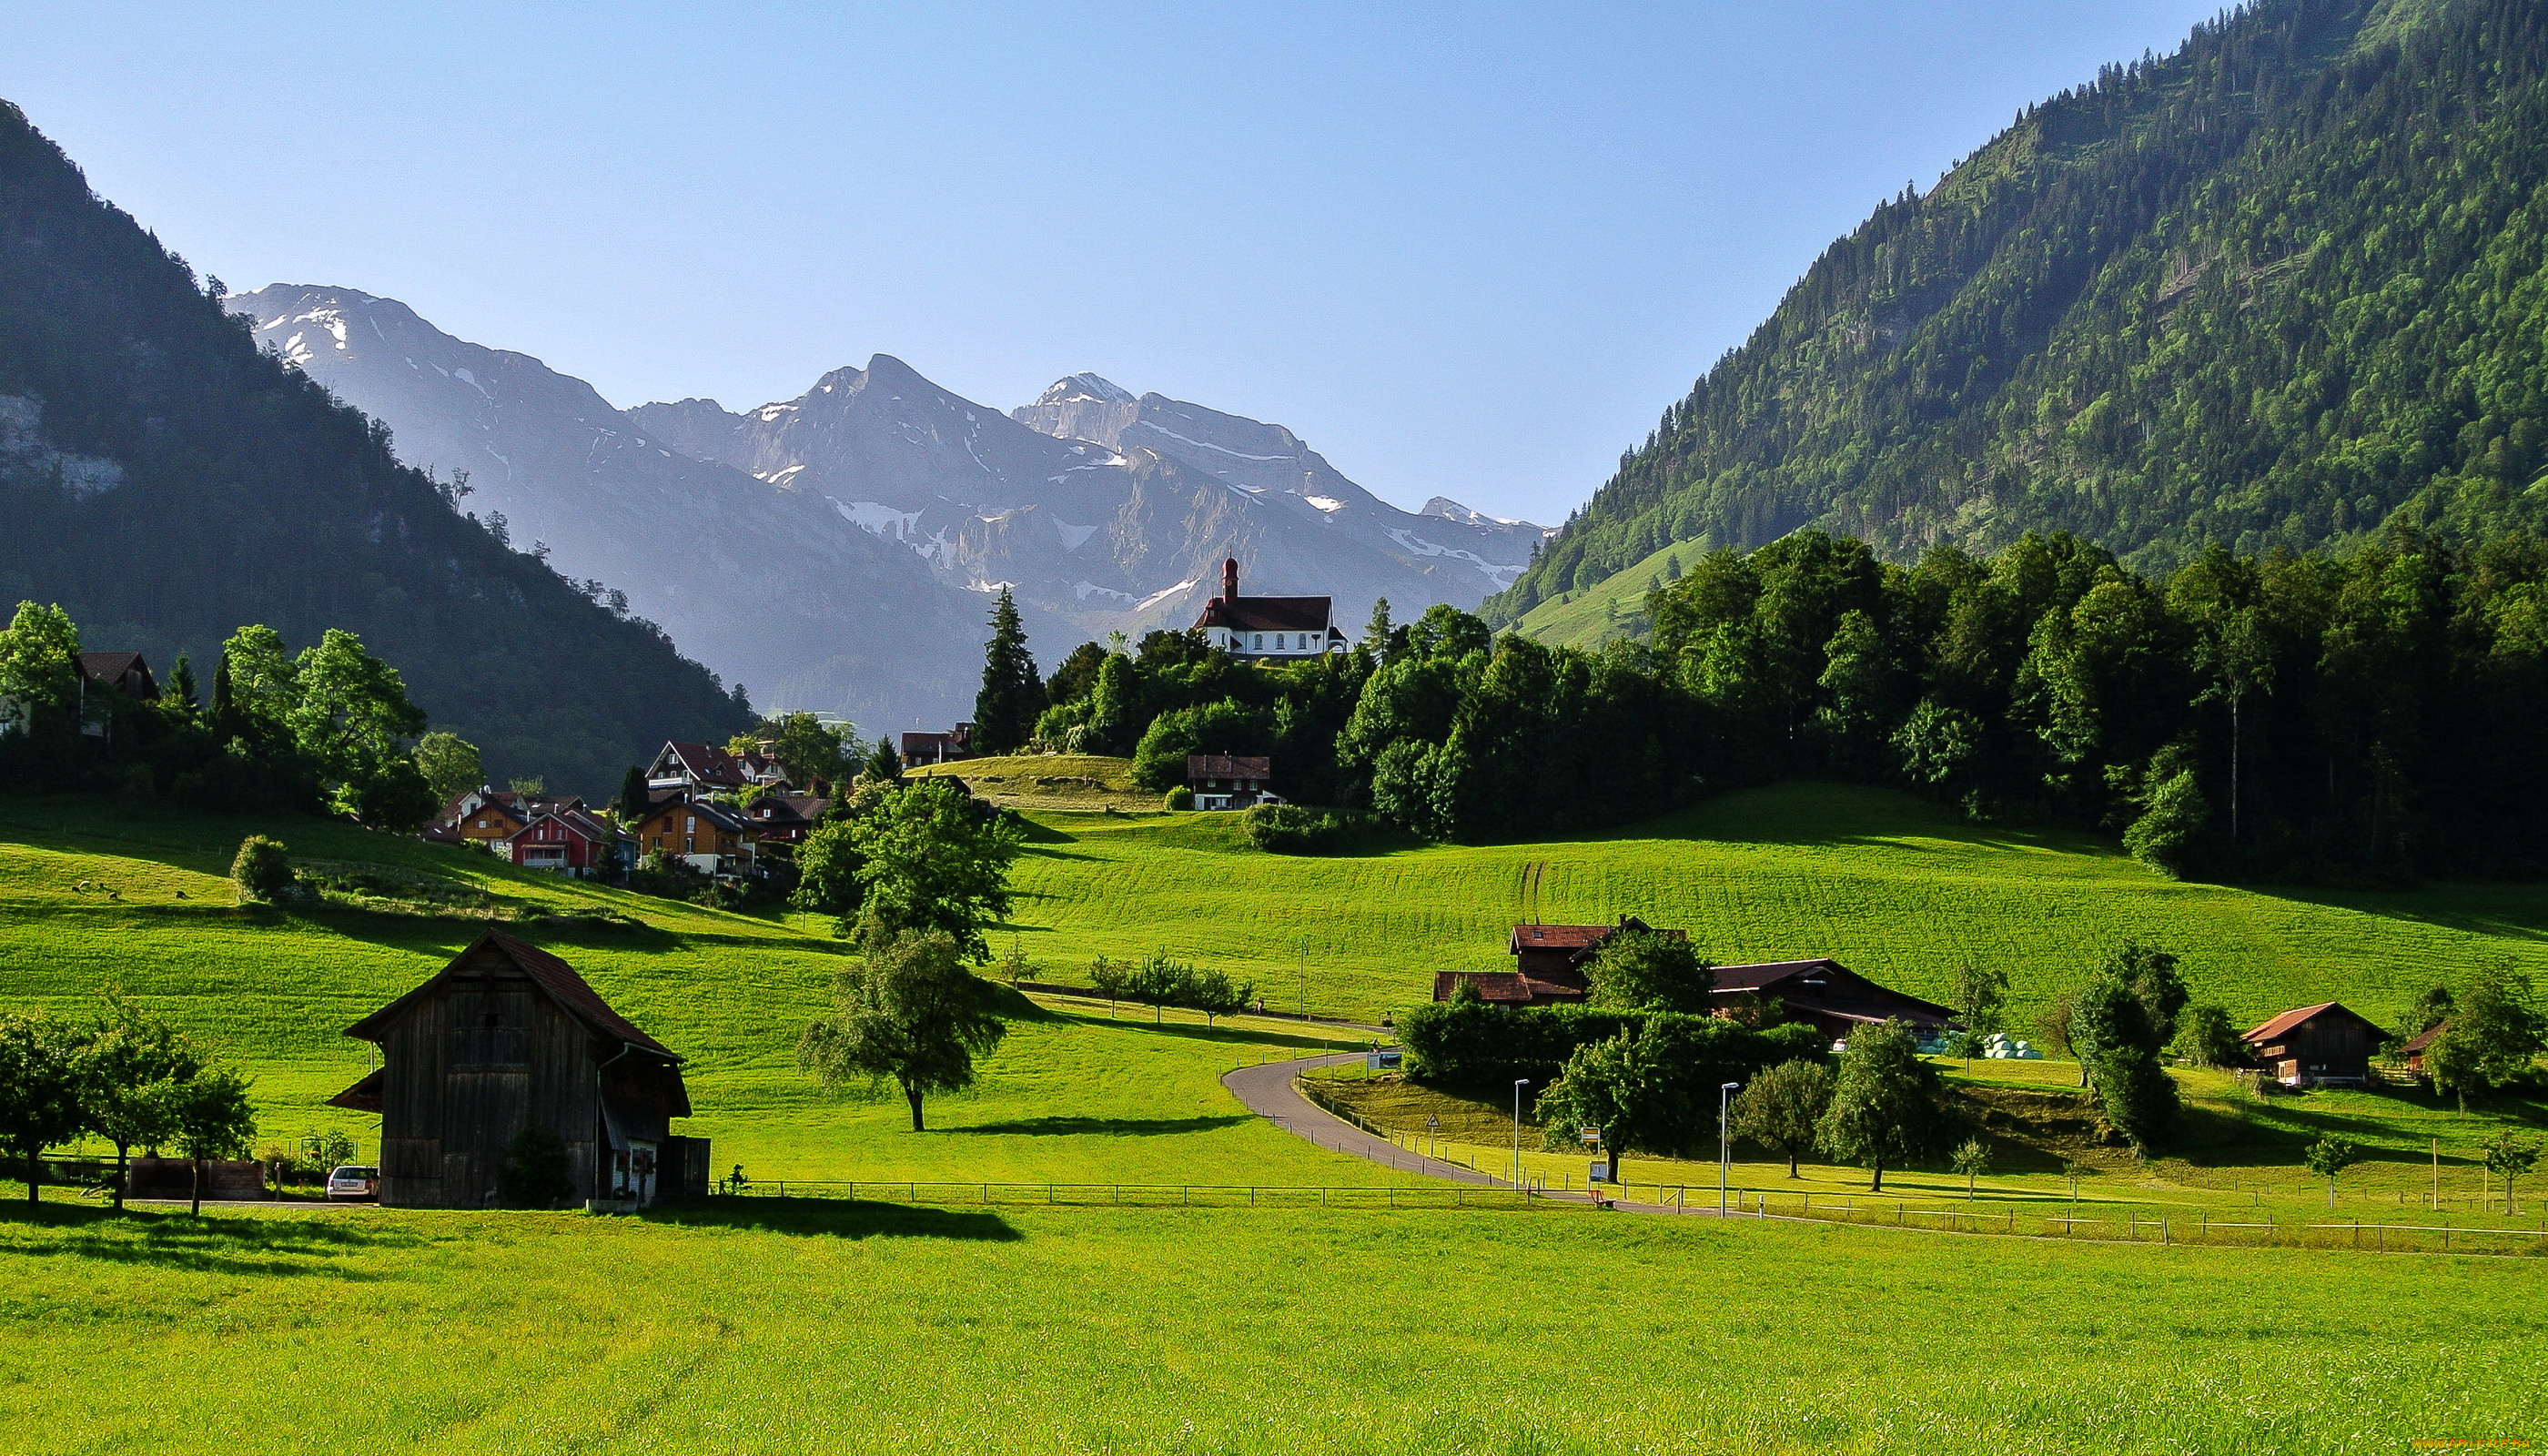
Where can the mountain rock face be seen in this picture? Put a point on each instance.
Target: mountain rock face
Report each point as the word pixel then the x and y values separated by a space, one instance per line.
pixel 768 583
pixel 2278 289
pixel 1103 511
pixel 167 483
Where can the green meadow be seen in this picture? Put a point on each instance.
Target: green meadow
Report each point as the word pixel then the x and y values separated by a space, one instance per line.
pixel 1890 884
pixel 766 1326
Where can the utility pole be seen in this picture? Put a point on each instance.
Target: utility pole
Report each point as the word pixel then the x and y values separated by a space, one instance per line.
pixel 1724 1146
pixel 1518 1084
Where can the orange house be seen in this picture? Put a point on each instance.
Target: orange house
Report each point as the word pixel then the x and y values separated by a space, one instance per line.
pixel 714 838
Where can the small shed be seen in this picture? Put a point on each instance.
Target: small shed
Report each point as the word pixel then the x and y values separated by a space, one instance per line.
pixel 507 1039
pixel 2420 1045
pixel 2312 1044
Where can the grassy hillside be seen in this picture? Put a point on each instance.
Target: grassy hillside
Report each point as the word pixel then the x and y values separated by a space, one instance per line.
pixel 1879 880
pixel 1071 1096
pixel 1887 883
pixel 746 1325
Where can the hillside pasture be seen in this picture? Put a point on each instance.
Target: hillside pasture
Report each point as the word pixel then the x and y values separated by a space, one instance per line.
pixel 1890 884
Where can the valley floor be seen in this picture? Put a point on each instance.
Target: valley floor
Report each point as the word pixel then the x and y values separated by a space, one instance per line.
pixel 792 1326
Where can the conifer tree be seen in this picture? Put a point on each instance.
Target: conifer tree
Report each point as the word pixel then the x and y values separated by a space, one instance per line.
pixel 1012 695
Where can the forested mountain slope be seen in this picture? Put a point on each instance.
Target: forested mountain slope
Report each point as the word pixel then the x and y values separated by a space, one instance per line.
pixel 2274 290
pixel 167 483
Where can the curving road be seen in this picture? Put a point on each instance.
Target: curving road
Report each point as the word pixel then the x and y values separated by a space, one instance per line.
pixel 1268 1092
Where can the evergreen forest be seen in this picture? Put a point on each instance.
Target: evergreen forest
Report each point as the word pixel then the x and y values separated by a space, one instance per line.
pixel 166 482
pixel 2365 716
pixel 2276 290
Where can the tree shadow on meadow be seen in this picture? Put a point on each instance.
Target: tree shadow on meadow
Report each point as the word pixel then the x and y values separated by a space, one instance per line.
pixel 1068 1126
pixel 834 1218
pixel 211 1244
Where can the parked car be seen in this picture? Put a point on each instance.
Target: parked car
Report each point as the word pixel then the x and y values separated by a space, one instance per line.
pixel 354 1181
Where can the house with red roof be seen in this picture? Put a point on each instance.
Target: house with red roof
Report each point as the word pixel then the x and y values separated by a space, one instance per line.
pixel 569 841
pixel 2311 1045
pixel 694 768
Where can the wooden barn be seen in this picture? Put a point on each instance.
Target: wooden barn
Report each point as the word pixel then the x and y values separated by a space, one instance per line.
pixel 504 1039
pixel 2312 1044
pixel 1830 997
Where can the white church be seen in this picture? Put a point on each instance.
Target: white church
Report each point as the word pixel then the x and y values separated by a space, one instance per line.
pixel 1268 627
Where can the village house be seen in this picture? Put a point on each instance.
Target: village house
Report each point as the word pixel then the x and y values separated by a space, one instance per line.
pixel 1549 964
pixel 760 770
pixel 1223 781
pixel 1268 628
pixel 569 841
pixel 694 767
pixel 919 749
pixel 507 1040
pixel 2311 1045
pixel 108 678
pixel 1829 997
pixel 781 821
pixel 1552 966
pixel 711 838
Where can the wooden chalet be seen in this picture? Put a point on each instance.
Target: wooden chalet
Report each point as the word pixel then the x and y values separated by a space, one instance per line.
pixel 506 1039
pixel 938 748
pixel 713 837
pixel 2312 1044
pixel 781 821
pixel 694 767
pixel 1227 781
pixel 567 840
pixel 1549 964
pixel 1828 996
pixel 2415 1049
pixel 1267 628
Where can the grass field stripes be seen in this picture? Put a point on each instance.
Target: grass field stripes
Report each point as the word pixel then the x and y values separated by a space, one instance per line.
pixel 1146 1195
pixel 2160 1226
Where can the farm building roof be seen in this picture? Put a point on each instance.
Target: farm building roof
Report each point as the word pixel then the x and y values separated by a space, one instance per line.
pixel 1507 988
pixel 549 973
pixel 2282 1024
pixel 1226 766
pixel 1535 937
pixel 2426 1038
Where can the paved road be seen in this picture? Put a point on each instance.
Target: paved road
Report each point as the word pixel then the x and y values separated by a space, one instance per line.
pixel 1268 1092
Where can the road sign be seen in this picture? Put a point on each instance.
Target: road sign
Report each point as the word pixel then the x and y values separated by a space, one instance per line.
pixel 1592 1137
pixel 1601 1172
pixel 1432 1119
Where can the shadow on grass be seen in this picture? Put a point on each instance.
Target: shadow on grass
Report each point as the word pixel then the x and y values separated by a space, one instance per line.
pixel 1067 1127
pixel 211 1244
pixel 834 1218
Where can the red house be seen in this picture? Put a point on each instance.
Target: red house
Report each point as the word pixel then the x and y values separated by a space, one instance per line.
pixel 568 841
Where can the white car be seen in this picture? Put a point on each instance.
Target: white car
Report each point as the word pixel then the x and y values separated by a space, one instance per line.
pixel 354 1181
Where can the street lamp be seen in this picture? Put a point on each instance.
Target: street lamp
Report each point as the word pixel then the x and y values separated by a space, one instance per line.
pixel 1724 1146
pixel 1518 1084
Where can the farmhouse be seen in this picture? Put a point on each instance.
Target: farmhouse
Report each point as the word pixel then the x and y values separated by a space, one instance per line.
pixel 2312 1044
pixel 508 1039
pixel 1549 964
pixel 1828 996
pixel 1271 629
pixel 694 767
pixel 938 748
pixel 714 838
pixel 1223 781
pixel 781 821
pixel 567 840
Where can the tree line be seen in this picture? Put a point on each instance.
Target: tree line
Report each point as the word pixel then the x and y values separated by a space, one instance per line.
pixel 121 1076
pixel 330 729
pixel 2367 716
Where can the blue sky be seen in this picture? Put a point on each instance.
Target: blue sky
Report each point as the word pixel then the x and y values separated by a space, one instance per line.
pixel 1464 250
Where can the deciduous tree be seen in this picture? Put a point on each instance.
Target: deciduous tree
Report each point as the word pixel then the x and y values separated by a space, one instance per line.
pixel 1781 1107
pixel 930 862
pixel 1884 1106
pixel 211 1116
pixel 41 1087
pixel 450 764
pixel 2328 1156
pixel 1651 970
pixel 130 1072
pixel 910 1014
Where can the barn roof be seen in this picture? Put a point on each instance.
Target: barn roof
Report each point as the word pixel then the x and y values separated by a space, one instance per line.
pixel 1503 986
pixel 1768 973
pixel 2283 1023
pixel 2426 1038
pixel 551 974
pixel 1535 937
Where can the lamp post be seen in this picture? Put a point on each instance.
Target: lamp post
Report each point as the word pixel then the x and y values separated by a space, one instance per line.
pixel 1518 1084
pixel 1724 1146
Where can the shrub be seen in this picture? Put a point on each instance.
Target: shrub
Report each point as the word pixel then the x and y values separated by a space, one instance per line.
pixel 262 870
pixel 1292 829
pixel 1177 799
pixel 1477 1045
pixel 534 1175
